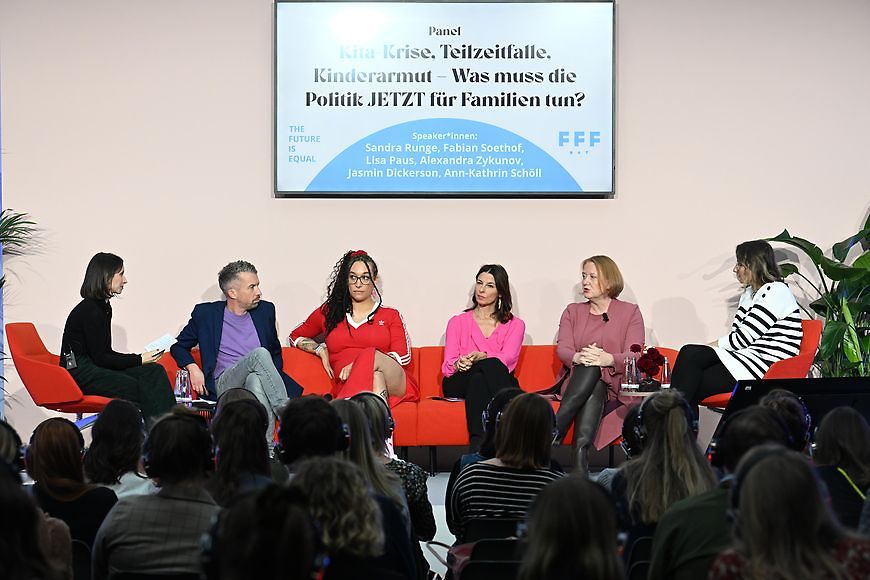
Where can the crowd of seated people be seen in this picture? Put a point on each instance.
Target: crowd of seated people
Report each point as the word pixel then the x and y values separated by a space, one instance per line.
pixel 765 509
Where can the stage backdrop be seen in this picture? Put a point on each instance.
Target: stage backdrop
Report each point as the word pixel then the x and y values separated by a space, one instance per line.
pixel 444 98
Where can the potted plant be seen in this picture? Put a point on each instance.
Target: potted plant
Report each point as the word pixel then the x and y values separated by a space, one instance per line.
pixel 16 231
pixel 843 302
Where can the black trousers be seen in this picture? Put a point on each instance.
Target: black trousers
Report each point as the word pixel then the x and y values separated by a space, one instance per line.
pixel 478 385
pixel 699 373
pixel 146 386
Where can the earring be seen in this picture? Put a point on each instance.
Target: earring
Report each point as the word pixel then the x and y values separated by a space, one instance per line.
pixel 498 304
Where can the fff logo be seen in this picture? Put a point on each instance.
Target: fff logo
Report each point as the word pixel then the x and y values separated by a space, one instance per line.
pixel 578 138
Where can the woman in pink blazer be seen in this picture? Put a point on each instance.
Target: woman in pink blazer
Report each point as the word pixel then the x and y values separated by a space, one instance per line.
pixel 482 347
pixel 594 339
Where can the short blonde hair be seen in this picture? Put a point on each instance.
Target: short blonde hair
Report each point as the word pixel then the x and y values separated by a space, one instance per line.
pixel 609 275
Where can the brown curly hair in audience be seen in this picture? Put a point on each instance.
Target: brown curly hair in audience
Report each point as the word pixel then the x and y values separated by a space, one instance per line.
pixel 572 533
pixel 524 438
pixel 671 466
pixel 783 527
pixel 843 440
pixel 340 500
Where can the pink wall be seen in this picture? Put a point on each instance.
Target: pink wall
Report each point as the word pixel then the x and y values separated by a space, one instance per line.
pixel 144 129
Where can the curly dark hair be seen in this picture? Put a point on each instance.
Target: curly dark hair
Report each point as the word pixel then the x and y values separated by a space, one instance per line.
pixel 116 446
pixel 338 301
pixel 239 432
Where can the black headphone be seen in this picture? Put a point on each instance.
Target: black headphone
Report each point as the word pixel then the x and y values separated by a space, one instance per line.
pixel 210 542
pixel 18 463
pixel 639 428
pixel 487 413
pixel 715 450
pixel 155 469
pixel 389 422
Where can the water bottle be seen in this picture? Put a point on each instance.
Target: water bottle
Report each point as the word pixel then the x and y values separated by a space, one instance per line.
pixel 666 374
pixel 629 381
pixel 182 384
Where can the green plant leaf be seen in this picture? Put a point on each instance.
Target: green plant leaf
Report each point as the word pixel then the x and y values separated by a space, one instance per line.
pixel 851 348
pixel 820 306
pixel 788 269
pixel 810 249
pixel 862 262
pixel 832 338
pixel 841 249
pixel 16 230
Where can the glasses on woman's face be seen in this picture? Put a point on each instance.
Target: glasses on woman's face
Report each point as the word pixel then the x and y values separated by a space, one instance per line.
pixel 365 279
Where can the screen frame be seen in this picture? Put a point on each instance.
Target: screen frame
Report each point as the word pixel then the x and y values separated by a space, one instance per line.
pixel 281 194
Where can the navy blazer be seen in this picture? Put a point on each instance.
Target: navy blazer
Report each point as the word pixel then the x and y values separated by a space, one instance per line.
pixel 204 329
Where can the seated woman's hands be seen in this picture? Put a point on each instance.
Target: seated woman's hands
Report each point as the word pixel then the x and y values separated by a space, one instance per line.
pixel 464 363
pixel 593 356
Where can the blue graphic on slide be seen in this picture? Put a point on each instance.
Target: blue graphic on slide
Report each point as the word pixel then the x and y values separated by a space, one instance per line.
pixel 444 155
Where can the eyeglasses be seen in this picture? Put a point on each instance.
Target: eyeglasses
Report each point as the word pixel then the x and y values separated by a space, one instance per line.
pixel 365 279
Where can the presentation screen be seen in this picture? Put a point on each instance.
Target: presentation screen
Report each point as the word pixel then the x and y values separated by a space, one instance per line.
pixel 444 99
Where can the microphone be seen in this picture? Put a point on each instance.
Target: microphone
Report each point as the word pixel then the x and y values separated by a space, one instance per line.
pixel 605 317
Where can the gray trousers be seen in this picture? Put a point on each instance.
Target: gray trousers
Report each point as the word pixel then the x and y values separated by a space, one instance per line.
pixel 256 372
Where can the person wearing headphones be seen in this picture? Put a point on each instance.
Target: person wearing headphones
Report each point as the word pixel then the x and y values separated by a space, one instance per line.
pixel 669 468
pixel 160 533
pixel 694 530
pixel 86 348
pixel 521 467
pixel 54 462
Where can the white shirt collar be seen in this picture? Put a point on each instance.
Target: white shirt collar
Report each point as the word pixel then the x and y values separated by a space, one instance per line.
pixel 355 324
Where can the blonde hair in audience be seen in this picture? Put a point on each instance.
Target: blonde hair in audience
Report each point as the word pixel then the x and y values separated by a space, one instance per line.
pixel 609 275
pixel 670 467
pixel 340 500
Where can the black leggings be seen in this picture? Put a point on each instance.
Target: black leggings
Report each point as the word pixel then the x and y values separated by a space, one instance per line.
pixel 146 386
pixel 699 373
pixel 478 385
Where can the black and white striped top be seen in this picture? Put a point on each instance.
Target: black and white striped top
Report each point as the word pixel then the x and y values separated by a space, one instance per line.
pixel 766 329
pixel 490 491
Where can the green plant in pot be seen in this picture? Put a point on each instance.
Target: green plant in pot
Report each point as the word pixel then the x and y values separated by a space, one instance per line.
pixel 16 233
pixel 843 302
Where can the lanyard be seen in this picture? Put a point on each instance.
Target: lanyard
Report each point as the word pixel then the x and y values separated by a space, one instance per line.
pixel 852 483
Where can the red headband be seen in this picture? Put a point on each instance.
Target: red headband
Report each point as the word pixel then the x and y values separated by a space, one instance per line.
pixel 358 253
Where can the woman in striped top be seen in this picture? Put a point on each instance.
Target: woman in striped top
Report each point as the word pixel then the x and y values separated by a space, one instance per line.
pixel 504 487
pixel 766 329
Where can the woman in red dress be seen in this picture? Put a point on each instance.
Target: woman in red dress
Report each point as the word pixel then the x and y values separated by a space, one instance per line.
pixel 364 345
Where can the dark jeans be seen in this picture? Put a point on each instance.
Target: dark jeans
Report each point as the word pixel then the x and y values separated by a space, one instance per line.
pixel 699 373
pixel 478 385
pixel 146 386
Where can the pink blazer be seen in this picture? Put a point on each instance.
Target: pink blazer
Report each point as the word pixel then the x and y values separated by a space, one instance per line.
pixel 623 328
pixel 464 336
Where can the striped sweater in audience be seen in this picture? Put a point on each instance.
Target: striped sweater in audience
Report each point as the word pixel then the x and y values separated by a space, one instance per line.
pixel 766 329
pixel 490 491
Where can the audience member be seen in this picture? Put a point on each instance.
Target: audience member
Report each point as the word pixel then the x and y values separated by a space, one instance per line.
pixel 791 409
pixel 842 458
pixel 277 470
pixel 54 461
pixel 115 455
pixel 310 427
pixel 482 347
pixel 160 533
pixel 864 524
pixel 694 530
pixel 766 328
pixel 267 535
pixel 670 467
pixel 32 544
pixel 353 531
pixel 630 445
pixel 86 347
pixel 240 451
pixel 571 533
pixel 238 344
pixel 783 529
pixel 504 486
pixel 412 476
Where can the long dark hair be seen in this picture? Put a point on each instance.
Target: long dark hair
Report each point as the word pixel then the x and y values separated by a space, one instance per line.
pixel 568 513
pixel 338 302
pixel 843 440
pixel 524 437
pixel 116 447
pixel 757 256
pixel 54 459
pixel 239 433
pixel 20 554
pixel 98 276
pixel 502 286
